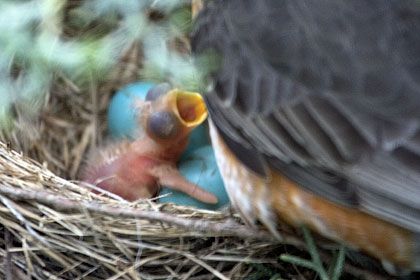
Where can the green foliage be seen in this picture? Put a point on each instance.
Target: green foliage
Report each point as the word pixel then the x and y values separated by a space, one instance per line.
pixel 335 269
pixel 35 45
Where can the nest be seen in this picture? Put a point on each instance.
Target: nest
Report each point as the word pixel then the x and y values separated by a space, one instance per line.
pixel 53 227
pixel 56 228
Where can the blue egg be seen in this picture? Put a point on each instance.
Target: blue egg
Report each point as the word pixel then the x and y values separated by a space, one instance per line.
pixel 199 137
pixel 122 116
pixel 199 167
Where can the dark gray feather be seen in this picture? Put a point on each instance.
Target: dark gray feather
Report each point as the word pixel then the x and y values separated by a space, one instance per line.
pixel 325 91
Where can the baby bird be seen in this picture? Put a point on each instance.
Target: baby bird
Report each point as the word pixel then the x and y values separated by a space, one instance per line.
pixel 134 170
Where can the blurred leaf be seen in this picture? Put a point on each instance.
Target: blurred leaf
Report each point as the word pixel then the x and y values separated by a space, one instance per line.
pixel 34 44
pixel 180 20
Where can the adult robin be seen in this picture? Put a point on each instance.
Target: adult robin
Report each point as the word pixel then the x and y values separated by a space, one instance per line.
pixel 315 117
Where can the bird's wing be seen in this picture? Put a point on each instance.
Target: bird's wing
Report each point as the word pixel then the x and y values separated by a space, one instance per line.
pixel 325 91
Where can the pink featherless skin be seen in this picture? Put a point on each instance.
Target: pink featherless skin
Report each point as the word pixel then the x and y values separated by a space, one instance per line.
pixel 136 170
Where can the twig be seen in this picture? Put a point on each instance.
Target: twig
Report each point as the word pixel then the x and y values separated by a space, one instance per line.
pixel 206 266
pixel 135 266
pixel 8 241
pixel 10 206
pixel 226 228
